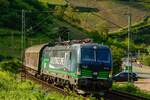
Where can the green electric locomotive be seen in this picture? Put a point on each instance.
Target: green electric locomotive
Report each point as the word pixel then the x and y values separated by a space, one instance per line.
pixel 83 67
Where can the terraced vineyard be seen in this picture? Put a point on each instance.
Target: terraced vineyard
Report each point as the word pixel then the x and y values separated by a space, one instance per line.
pixel 110 13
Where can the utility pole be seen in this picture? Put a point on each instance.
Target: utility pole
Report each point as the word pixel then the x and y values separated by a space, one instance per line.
pixel 87 26
pixel 68 36
pixel 129 53
pixel 23 75
pixel 12 43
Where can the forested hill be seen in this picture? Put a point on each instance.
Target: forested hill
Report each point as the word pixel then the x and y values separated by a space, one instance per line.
pixel 10 11
pixel 46 20
pixel 41 25
pixel 38 17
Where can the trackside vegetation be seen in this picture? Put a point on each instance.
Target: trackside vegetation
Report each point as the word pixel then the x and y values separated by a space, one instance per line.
pixel 130 88
pixel 145 59
pixel 27 90
pixel 12 88
pixel 11 66
pixel 15 89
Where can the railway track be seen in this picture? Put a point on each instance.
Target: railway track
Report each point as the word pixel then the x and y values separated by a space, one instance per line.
pixel 119 95
pixel 111 95
pixel 45 85
pixel 49 87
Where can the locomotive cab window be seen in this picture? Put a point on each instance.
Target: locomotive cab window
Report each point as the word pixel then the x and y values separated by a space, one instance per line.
pixel 87 54
pixel 103 55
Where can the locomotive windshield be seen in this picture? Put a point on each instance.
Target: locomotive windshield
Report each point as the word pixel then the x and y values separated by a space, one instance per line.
pixel 87 55
pixel 102 55
pixel 98 55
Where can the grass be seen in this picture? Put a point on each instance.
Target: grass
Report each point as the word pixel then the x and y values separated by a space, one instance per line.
pixel 54 1
pixel 12 88
pixel 142 4
pixel 130 88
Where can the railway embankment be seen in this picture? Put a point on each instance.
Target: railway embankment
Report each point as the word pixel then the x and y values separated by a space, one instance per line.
pixel 132 89
pixel 13 88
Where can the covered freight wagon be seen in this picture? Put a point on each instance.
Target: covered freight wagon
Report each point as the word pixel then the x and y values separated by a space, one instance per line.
pixel 32 56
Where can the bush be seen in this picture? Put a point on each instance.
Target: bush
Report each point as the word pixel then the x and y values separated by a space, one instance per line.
pixel 131 88
pixel 146 60
pixel 13 89
pixel 126 87
pixel 17 90
pixel 117 54
pixel 11 66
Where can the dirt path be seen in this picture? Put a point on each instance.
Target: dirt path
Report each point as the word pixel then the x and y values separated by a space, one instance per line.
pixel 143 71
pixel 143 84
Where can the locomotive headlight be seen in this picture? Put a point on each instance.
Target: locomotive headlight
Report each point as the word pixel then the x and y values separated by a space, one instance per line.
pixel 78 73
pixel 95 73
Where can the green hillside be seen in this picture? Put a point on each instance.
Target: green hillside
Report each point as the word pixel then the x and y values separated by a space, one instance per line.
pixel 140 32
pixel 40 26
pixel 104 21
pixel 142 4
pixel 112 13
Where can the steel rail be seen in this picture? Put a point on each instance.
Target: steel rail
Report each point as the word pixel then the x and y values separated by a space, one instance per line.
pixel 47 86
pixel 111 95
pixel 120 95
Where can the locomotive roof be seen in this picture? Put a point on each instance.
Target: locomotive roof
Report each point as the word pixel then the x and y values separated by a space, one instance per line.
pixel 35 49
pixel 58 47
pixel 90 45
pixel 87 45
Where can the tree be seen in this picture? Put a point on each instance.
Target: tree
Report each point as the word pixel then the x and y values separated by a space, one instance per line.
pixel 148 49
pixel 132 45
pixel 117 54
pixel 59 11
pixel 4 4
pixel 102 29
pixel 146 60
pixel 71 15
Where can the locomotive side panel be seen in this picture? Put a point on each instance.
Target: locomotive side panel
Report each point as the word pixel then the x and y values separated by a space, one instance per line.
pixel 56 59
pixel 57 62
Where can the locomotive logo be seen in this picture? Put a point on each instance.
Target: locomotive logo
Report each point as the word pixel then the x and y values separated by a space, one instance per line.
pixel 57 61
